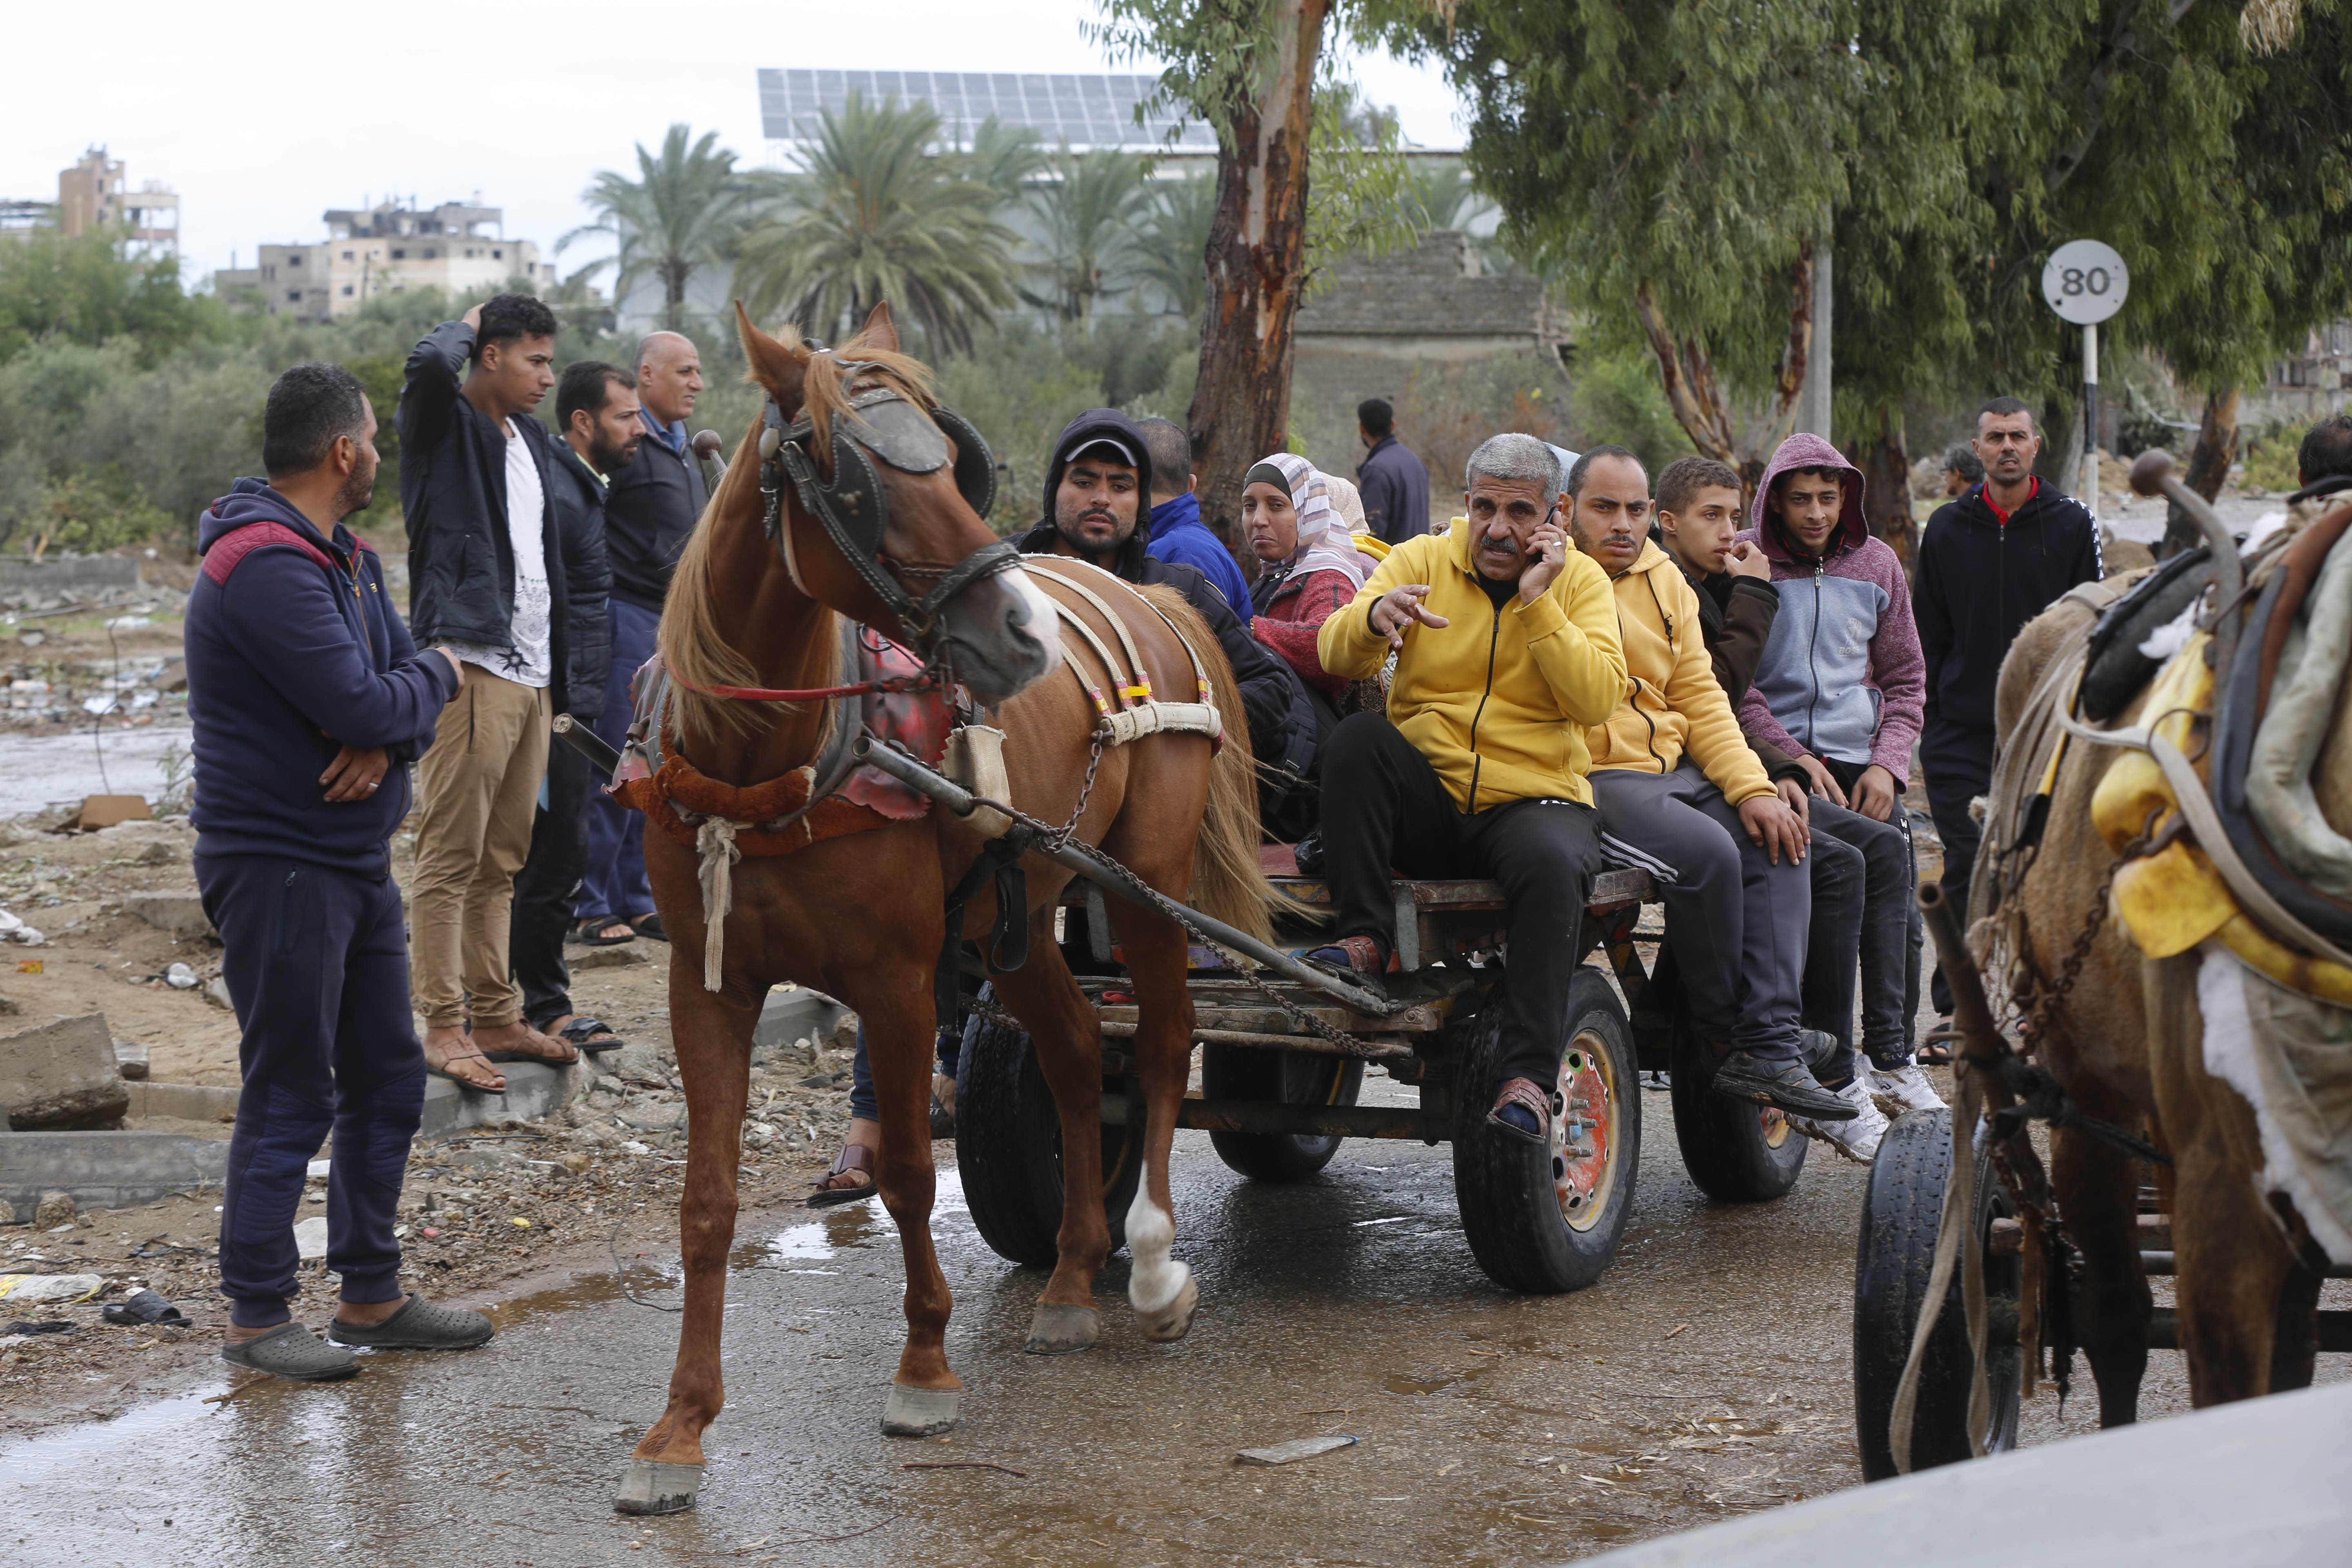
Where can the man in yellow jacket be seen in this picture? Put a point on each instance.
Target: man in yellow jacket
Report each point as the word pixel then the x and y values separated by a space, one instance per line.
pixel 1683 796
pixel 1506 655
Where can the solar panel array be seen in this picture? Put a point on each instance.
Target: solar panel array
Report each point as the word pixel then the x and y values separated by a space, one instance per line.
pixel 1085 110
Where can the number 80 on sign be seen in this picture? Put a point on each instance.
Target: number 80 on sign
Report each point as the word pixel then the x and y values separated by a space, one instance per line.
pixel 2084 282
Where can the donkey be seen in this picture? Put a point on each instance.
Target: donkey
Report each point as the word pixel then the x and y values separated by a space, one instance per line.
pixel 860 914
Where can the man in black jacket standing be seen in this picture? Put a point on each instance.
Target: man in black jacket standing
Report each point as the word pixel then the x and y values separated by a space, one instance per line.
pixel 596 411
pixel 1989 562
pixel 485 580
pixel 1394 483
pixel 652 507
pixel 1096 493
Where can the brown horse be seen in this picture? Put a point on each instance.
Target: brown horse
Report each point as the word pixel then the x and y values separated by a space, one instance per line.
pixel 2126 1042
pixel 860 916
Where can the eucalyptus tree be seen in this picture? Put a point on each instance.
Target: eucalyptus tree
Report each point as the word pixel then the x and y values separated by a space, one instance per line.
pixel 678 216
pixel 876 211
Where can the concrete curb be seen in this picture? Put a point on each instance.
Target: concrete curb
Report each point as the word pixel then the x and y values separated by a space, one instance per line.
pixel 187 1101
pixel 533 1090
pixel 105 1170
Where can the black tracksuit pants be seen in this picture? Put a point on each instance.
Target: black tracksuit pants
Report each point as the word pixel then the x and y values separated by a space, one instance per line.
pixel 1384 806
pixel 1957 761
pixel 547 889
pixel 317 965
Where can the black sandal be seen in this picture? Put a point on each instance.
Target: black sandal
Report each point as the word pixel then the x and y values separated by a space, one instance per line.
pixel 649 926
pixel 584 1031
pixel 855 1157
pixel 1528 1096
pixel 1936 1046
pixel 590 932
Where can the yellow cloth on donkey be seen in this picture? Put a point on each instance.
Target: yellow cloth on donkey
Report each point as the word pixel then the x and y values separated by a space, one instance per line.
pixel 2173 899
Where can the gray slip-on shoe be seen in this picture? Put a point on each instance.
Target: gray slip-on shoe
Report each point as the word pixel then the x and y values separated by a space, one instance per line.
pixel 292 1351
pixel 1781 1081
pixel 418 1326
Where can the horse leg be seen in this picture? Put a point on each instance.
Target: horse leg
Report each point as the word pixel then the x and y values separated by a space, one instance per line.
pixel 925 1396
pixel 713 1034
pixel 2234 1269
pixel 1160 1289
pixel 1068 1038
pixel 2098 1195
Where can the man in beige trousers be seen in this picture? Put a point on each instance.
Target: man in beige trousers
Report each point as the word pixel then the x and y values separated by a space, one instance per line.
pixel 486 581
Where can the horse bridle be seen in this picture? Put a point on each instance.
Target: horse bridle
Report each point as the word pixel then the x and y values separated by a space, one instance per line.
pixel 879 422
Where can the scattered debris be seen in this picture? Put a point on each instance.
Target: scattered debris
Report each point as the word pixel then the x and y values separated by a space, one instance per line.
pixel 1679 1328
pixel 65 1288
pixel 61 1076
pixel 310 1237
pixel 961 1465
pixel 17 930
pixel 1298 1448
pixel 144 1307
pixel 180 977
pixel 53 1209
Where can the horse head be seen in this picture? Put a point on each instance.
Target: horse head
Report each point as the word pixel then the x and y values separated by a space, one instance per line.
pixel 874 493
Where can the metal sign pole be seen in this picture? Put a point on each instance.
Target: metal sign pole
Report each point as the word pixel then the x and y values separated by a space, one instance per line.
pixel 2091 419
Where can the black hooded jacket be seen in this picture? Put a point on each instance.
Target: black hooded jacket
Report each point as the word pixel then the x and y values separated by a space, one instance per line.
pixel 1979 581
pixel 1267 684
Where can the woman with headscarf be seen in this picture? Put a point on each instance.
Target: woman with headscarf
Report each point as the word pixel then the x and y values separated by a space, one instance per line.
pixel 1309 563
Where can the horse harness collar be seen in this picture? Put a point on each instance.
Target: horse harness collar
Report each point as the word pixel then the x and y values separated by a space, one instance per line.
pixel 854 509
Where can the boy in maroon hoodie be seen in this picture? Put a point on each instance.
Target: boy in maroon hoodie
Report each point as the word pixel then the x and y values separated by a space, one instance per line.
pixel 1840 689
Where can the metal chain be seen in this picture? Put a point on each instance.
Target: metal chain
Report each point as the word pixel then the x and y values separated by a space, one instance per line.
pixel 2044 1000
pixel 1179 914
pixel 1058 837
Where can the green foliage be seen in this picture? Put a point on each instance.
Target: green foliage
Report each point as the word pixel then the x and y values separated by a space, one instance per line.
pixel 1361 199
pixel 85 291
pixel 678 218
pixel 1173 245
pixel 88 510
pixel 870 215
pixel 1090 212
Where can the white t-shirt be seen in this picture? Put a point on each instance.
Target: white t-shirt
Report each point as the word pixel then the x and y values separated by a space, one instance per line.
pixel 530 662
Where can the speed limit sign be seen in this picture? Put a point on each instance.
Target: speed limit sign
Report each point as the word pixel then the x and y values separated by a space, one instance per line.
pixel 2084 282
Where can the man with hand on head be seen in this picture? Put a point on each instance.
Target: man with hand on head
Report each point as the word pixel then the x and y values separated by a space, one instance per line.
pixel 1683 797
pixel 1177 532
pixel 596 413
pixel 486 580
pixel 650 509
pixel 1506 651
pixel 309 701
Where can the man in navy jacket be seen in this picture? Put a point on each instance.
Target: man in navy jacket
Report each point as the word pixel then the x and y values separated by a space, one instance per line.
pixel 308 701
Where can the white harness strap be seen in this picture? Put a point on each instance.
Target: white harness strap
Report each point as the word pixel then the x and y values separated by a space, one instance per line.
pixel 715 841
pixel 1134 712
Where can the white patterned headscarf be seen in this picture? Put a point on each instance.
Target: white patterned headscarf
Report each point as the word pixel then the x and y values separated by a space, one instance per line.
pixel 1323 541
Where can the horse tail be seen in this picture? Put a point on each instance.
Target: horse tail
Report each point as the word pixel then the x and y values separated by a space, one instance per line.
pixel 1228 882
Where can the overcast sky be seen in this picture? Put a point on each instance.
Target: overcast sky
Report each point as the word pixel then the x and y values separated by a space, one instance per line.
pixel 264 117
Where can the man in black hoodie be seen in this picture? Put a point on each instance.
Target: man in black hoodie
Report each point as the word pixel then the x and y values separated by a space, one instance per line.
pixel 1989 562
pixel 1096 493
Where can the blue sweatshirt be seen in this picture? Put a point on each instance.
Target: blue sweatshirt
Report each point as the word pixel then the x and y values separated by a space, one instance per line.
pixel 293 651
pixel 1177 533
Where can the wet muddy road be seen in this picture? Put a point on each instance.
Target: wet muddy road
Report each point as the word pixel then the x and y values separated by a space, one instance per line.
pixel 1704 1376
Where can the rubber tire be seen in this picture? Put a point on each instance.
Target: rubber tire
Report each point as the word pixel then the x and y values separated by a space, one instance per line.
pixel 1009 1149
pixel 1898 1253
pixel 1504 1188
pixel 1265 1077
pixel 1723 1143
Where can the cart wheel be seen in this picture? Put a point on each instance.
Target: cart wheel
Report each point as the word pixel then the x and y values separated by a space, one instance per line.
pixel 1899 1221
pixel 1269 1077
pixel 1734 1149
pixel 1009 1148
pixel 1548 1220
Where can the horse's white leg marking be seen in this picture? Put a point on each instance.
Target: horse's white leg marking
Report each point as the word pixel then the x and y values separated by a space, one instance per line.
pixel 1157 1279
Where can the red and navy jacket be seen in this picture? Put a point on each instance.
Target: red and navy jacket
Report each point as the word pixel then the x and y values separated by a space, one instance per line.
pixel 294 650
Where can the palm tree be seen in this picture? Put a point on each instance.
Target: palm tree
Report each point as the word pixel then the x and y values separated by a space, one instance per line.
pixel 678 216
pixel 1004 158
pixel 1171 254
pixel 1092 211
pixel 871 215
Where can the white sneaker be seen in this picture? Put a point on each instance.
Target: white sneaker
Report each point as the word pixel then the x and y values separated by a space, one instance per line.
pixel 1856 1140
pixel 1905 1088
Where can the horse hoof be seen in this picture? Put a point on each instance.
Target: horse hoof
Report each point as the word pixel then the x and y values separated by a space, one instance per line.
pixel 653 1486
pixel 1057 1328
pixel 1170 1322
pixel 919 1412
